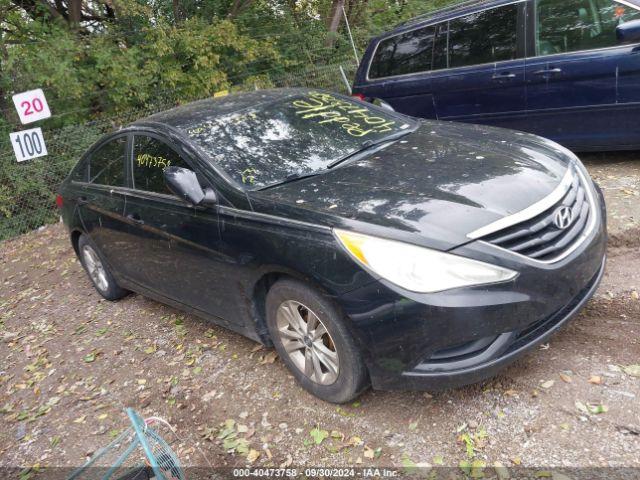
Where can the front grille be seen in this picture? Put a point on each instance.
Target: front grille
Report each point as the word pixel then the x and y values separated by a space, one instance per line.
pixel 539 237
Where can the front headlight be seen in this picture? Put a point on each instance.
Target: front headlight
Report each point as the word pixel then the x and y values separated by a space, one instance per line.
pixel 419 269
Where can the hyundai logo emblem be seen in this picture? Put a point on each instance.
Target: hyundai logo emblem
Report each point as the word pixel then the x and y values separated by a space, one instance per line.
pixel 562 218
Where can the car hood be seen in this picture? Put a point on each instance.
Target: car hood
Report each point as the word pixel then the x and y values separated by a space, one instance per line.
pixel 438 184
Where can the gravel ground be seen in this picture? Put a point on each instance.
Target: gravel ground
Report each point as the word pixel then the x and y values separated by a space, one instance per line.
pixel 72 361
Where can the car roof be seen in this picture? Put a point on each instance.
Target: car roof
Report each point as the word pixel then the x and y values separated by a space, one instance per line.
pixel 190 113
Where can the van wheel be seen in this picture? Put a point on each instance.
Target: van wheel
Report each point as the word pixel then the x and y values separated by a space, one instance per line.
pixel 98 271
pixel 311 339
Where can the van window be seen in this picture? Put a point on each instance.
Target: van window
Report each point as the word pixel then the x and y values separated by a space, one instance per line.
pixel 572 25
pixel 484 37
pixel 402 54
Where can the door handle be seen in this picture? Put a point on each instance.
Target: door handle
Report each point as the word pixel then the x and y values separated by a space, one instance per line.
pixel 548 71
pixel 503 76
pixel 134 217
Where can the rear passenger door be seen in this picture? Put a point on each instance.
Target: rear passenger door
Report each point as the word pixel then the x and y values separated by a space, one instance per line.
pixel 100 182
pixel 578 77
pixel 479 67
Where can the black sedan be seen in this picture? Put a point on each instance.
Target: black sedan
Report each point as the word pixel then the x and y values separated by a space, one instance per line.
pixel 366 246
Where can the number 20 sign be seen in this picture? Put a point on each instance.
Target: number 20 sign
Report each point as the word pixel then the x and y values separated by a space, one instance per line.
pixel 28 144
pixel 31 106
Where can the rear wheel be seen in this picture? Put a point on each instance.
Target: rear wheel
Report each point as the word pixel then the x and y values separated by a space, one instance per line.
pixel 98 271
pixel 312 340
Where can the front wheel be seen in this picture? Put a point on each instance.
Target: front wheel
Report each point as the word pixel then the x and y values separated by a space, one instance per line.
pixel 98 271
pixel 312 340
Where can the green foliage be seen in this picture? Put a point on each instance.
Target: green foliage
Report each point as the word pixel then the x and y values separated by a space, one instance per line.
pixel 136 57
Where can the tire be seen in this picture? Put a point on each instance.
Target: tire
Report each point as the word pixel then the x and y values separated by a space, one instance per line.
pixel 98 271
pixel 327 347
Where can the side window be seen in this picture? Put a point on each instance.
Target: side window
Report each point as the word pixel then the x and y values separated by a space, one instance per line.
pixel 105 166
pixel 407 53
pixel 572 25
pixel 80 172
pixel 484 37
pixel 150 158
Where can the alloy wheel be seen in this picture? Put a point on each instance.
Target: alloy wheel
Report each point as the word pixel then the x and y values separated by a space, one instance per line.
pixel 307 342
pixel 95 268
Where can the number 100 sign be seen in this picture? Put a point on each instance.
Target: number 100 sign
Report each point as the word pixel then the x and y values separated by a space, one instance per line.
pixel 28 144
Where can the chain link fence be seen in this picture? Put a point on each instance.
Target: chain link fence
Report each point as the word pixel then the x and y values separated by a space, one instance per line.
pixel 27 189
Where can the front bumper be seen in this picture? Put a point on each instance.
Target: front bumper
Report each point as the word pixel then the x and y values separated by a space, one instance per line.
pixel 505 349
pixel 462 336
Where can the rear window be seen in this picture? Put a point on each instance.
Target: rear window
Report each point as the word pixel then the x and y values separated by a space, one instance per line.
pixel 104 166
pixel 299 135
pixel 407 53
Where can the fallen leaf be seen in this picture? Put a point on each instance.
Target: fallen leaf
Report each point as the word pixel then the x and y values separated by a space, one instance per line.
pixel 318 435
pixel 369 452
pixel 548 384
pixel 566 378
pixel 543 474
pixel 269 357
pixel 632 370
pixel 89 358
pixel 581 406
pixel 253 455
pixel 242 428
pixel 597 408
pixel 595 379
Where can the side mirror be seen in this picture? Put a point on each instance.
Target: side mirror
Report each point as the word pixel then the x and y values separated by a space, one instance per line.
pixel 628 32
pixel 184 183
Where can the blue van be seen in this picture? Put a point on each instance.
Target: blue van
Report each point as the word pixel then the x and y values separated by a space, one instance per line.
pixel 568 70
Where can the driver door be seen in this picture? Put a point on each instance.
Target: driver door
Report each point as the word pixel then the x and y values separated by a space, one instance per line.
pixel 177 245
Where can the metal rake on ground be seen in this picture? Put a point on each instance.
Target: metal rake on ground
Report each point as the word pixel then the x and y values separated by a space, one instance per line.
pixel 138 453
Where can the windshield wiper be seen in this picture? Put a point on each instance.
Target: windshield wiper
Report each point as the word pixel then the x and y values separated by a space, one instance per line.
pixel 293 177
pixel 369 144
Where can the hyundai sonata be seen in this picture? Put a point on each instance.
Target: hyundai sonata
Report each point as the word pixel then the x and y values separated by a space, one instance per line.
pixel 368 247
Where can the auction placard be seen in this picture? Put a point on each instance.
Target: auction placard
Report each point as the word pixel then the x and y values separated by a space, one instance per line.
pixel 28 144
pixel 31 106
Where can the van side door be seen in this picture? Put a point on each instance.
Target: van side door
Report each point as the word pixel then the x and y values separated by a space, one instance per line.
pixel 579 79
pixel 479 67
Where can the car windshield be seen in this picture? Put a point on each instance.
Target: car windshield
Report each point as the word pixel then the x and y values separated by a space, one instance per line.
pixel 297 136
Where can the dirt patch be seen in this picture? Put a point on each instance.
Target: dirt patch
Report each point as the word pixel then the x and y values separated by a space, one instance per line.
pixel 618 174
pixel 72 361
